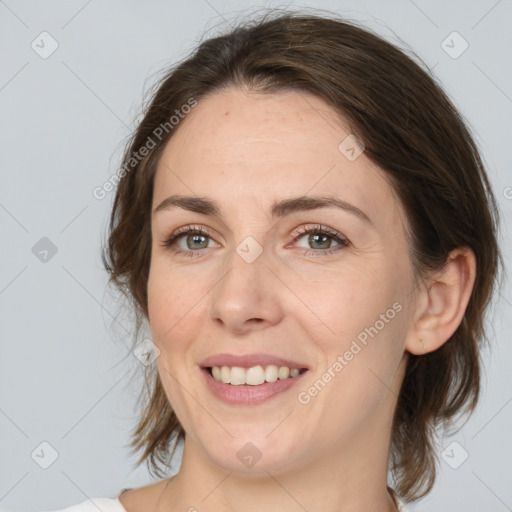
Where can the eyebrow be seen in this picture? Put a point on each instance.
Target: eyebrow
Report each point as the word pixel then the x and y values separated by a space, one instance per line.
pixel 282 208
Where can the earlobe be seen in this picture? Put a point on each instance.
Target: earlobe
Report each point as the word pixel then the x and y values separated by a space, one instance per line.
pixel 447 296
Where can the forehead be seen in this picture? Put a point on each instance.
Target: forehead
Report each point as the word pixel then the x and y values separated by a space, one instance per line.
pixel 263 147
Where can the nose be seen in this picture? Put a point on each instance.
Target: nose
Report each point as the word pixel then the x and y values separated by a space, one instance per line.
pixel 247 295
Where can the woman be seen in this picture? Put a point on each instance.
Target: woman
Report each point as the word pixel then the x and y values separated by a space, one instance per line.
pixel 305 223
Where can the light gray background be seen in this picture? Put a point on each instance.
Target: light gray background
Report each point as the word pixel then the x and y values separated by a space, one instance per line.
pixel 63 119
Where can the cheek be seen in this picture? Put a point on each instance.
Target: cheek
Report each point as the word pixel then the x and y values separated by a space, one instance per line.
pixel 360 374
pixel 344 303
pixel 173 326
pixel 170 301
pixel 363 317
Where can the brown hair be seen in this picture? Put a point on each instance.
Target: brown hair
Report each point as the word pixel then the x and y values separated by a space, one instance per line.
pixel 409 128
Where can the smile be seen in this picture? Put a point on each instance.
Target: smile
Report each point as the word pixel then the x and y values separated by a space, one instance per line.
pixel 253 376
pixel 249 379
pixel 249 394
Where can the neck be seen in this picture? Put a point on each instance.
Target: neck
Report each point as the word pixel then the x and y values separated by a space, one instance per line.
pixel 349 478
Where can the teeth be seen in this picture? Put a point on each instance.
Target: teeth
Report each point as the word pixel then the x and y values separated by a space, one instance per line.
pixel 284 372
pixel 271 373
pixel 253 376
pixel 237 376
pixel 225 374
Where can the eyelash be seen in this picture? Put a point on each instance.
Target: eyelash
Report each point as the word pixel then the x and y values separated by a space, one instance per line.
pixel 317 230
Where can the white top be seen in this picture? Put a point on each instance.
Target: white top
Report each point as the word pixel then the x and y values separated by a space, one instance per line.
pixel 93 505
pixel 114 505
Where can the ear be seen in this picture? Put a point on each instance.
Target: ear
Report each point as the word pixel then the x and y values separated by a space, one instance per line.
pixel 443 302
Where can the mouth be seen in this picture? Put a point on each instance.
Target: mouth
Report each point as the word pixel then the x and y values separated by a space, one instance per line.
pixel 250 379
pixel 254 375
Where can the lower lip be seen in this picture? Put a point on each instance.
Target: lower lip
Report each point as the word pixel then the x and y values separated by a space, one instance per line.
pixel 249 395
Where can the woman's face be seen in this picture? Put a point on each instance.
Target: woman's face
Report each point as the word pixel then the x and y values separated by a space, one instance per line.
pixel 252 288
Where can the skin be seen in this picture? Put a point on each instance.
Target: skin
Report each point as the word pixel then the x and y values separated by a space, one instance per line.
pixel 246 150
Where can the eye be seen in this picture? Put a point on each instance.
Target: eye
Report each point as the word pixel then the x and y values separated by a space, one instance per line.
pixel 194 237
pixel 322 236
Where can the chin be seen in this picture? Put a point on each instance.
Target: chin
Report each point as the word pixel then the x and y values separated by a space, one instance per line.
pixel 254 454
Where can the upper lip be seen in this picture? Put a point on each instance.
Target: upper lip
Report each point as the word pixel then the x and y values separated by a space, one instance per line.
pixel 249 360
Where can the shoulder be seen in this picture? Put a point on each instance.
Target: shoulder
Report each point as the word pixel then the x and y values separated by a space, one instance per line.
pixel 93 505
pixel 142 498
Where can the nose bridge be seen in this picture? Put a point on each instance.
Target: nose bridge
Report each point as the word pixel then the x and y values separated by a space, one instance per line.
pixel 244 292
pixel 245 268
